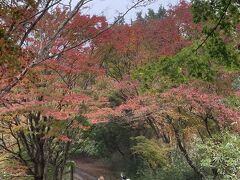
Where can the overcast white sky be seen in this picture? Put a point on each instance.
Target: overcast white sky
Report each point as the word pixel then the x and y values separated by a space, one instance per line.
pixel 110 8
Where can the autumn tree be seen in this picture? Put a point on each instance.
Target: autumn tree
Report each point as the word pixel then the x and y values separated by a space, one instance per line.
pixel 129 46
pixel 174 77
pixel 190 92
pixel 208 69
pixel 43 95
pixel 47 94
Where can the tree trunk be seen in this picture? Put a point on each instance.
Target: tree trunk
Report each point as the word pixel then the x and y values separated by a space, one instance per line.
pixel 207 127
pixel 38 178
pixel 61 173
pixel 183 150
pixel 38 171
pixel 185 154
pixel 71 172
pixel 153 126
pixel 55 177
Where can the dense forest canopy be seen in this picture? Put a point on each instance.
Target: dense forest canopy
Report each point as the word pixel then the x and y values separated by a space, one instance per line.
pixel 160 95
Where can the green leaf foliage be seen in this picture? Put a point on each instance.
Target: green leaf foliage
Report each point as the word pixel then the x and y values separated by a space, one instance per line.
pixel 222 152
pixel 188 64
pixel 224 13
pixel 151 152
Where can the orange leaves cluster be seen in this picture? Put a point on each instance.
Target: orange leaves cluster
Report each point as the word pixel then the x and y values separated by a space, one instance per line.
pixel 58 115
pixel 54 87
pixel 64 138
pixel 98 115
pixel 148 40
pixel 21 107
pixel 204 104
pixel 138 106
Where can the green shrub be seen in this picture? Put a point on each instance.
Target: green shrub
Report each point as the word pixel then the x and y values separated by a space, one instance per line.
pixel 222 153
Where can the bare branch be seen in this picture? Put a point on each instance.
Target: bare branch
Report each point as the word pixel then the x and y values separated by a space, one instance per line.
pixel 35 23
pixel 42 56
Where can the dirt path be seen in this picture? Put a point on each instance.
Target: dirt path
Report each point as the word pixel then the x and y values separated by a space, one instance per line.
pixel 81 175
pixel 89 169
